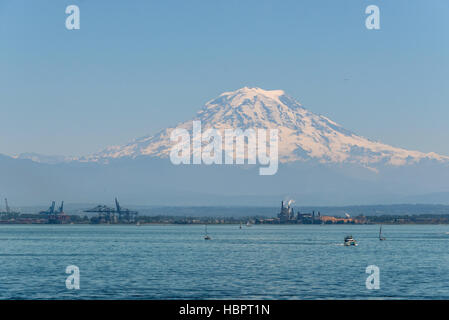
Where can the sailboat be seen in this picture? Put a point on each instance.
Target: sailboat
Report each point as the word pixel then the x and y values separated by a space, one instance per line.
pixel 380 234
pixel 248 224
pixel 206 236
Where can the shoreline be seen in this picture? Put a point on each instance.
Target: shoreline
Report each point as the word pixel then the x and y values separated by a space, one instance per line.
pixel 214 224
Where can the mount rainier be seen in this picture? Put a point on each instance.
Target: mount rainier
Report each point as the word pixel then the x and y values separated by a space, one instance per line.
pixel 321 163
pixel 303 135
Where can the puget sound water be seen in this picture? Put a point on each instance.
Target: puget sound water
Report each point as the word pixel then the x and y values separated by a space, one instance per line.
pixel 258 262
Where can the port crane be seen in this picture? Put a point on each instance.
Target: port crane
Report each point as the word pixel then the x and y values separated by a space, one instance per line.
pixel 110 214
pixel 50 210
pixel 8 210
pixel 55 216
pixel 61 207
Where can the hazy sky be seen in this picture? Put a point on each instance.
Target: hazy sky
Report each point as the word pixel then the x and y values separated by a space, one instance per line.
pixel 137 66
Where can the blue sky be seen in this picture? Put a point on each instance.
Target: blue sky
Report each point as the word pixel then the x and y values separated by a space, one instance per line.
pixel 135 67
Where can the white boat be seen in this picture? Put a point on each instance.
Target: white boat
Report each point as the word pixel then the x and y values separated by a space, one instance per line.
pixel 248 224
pixel 349 241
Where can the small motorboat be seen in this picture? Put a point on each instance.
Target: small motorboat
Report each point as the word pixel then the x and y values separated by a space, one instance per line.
pixel 349 241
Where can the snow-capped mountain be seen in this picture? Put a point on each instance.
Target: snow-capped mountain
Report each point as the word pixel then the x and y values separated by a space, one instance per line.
pixel 321 164
pixel 303 135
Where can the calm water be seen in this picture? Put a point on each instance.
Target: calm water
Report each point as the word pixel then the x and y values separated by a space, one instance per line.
pixel 260 262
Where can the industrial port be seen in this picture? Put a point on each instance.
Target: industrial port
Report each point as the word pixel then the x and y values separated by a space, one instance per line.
pixel 116 214
pixel 287 215
pixel 103 214
pixel 53 215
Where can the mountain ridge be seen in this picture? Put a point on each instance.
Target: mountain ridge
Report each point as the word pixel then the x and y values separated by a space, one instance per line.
pixel 303 135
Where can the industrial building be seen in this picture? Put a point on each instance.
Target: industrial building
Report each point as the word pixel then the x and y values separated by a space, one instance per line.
pixel 287 215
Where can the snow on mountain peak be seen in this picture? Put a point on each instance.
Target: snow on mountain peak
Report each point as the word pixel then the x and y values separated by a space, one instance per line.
pixel 251 107
pixel 303 135
pixel 246 93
